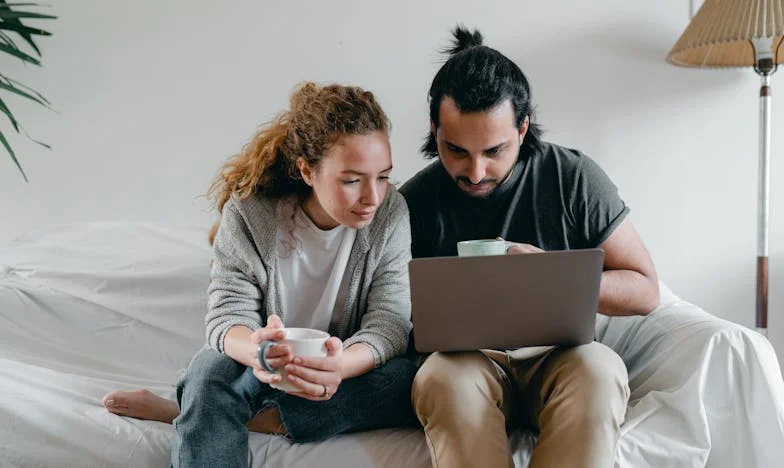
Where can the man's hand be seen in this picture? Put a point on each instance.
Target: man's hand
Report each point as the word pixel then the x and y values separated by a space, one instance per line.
pixel 517 248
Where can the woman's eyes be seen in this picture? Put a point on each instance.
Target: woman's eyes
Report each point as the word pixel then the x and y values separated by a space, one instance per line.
pixel 354 181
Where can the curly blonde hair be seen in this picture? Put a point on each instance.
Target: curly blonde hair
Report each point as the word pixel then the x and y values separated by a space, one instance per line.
pixel 317 117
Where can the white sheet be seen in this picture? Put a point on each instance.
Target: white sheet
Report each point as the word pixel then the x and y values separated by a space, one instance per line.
pixel 88 308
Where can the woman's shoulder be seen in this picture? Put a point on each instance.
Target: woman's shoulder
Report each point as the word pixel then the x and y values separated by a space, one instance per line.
pixel 391 214
pixel 254 207
pixel 393 208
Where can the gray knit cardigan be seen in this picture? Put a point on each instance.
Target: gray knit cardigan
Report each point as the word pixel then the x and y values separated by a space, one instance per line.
pixel 373 305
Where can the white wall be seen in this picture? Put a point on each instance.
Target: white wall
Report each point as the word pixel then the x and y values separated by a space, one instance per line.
pixel 153 95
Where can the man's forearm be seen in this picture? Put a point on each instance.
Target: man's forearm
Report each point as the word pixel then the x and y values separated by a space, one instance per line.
pixel 627 292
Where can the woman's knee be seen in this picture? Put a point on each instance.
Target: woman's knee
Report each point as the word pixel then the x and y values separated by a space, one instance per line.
pixel 209 370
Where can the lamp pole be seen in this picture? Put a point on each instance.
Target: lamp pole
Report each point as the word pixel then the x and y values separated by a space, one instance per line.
pixel 764 66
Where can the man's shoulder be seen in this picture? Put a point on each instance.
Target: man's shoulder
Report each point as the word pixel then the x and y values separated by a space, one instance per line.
pixel 561 157
pixel 422 182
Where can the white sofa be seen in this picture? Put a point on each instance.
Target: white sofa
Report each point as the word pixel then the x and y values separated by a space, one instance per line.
pixel 88 308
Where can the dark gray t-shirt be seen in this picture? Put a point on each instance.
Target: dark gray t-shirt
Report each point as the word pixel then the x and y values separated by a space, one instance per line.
pixel 556 199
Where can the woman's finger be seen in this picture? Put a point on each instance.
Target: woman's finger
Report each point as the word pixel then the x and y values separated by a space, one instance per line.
pixel 278 351
pixel 314 376
pixel 267 334
pixel 274 321
pixel 309 388
pixel 334 346
pixel 318 363
pixel 265 376
pixel 278 363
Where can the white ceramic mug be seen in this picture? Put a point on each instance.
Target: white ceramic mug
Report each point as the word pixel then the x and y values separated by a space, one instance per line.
pixel 480 247
pixel 304 342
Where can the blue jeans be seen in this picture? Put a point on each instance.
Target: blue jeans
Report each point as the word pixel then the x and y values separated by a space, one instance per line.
pixel 218 395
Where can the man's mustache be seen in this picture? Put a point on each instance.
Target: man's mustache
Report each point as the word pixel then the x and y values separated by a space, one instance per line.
pixel 467 181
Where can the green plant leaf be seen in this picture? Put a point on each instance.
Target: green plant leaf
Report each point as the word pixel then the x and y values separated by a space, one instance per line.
pixel 11 21
pixel 10 116
pixel 22 29
pixel 19 92
pixel 18 53
pixel 7 39
pixel 13 4
pixel 45 145
pixel 13 156
pixel 18 127
pixel 7 13
pixel 23 86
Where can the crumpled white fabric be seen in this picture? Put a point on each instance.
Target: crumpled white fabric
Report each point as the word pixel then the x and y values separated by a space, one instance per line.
pixel 88 308
pixel 705 391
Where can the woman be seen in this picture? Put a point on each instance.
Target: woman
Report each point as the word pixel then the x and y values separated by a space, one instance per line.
pixel 311 235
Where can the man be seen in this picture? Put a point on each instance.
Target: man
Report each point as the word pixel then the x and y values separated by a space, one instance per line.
pixel 495 177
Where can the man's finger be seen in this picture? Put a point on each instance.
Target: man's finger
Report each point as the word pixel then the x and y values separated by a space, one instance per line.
pixel 523 249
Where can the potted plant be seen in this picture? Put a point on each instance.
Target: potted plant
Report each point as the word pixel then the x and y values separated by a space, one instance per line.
pixel 14 32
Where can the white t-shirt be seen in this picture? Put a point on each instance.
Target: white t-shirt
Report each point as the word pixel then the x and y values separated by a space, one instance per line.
pixel 311 267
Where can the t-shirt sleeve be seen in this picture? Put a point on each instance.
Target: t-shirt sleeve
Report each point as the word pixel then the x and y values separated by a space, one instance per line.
pixel 597 207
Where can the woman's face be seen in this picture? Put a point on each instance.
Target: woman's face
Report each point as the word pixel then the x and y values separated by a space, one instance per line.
pixel 350 181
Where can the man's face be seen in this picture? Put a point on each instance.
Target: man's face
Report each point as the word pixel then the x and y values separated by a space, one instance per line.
pixel 478 149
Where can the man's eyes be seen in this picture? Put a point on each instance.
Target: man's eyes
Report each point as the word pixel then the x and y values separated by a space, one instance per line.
pixel 490 152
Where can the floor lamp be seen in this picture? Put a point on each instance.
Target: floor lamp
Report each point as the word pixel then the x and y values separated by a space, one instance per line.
pixel 742 33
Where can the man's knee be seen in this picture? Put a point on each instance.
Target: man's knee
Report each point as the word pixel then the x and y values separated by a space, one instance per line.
pixel 597 375
pixel 456 377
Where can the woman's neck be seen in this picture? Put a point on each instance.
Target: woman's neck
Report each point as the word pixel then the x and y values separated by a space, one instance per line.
pixel 313 210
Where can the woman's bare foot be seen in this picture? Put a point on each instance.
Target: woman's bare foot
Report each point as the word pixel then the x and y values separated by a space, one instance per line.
pixel 267 422
pixel 141 404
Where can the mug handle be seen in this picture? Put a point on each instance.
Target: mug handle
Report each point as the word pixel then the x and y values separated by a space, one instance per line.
pixel 262 352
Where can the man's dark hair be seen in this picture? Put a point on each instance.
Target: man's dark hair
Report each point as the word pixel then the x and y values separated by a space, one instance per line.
pixel 478 78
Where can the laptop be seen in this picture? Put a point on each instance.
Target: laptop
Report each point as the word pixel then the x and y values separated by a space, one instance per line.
pixel 505 301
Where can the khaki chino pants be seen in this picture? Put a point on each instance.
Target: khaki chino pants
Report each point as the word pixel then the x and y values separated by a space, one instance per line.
pixel 575 397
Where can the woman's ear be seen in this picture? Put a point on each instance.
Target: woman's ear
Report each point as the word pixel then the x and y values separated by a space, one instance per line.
pixel 305 170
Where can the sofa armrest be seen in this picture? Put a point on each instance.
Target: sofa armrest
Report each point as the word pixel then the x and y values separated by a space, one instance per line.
pixel 709 387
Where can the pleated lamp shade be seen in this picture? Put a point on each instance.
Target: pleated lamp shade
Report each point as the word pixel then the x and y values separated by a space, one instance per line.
pixel 721 33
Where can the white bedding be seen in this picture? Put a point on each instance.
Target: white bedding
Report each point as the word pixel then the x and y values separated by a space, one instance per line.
pixel 90 308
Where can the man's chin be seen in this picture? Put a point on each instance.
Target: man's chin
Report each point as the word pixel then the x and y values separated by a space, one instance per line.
pixel 476 191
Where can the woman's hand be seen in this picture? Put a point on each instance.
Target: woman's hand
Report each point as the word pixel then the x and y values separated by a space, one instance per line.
pixel 278 356
pixel 317 377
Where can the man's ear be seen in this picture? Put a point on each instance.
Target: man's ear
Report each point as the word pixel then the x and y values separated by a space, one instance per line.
pixel 524 129
pixel 433 128
pixel 305 170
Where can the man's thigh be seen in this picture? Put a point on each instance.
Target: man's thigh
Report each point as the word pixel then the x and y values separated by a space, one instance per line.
pixel 586 368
